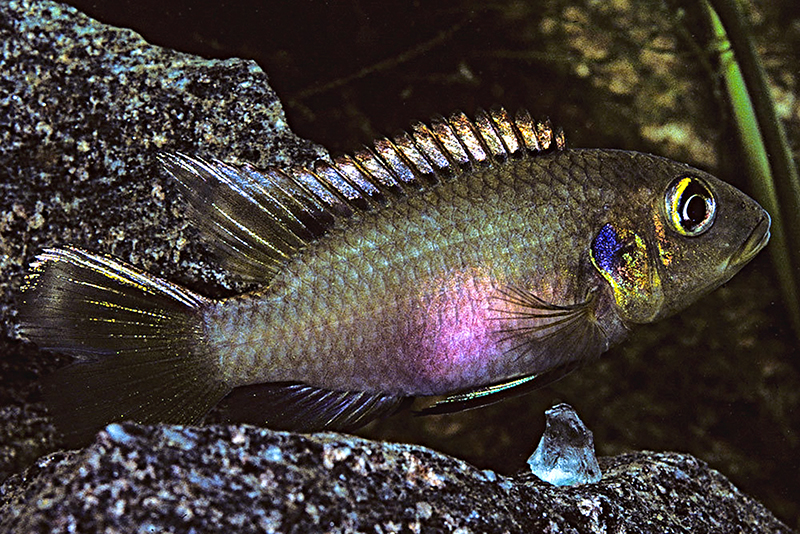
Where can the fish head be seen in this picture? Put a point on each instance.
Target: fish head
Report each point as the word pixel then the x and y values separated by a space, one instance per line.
pixel 682 234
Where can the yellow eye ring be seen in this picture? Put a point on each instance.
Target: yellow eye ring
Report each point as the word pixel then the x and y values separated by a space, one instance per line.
pixel 690 206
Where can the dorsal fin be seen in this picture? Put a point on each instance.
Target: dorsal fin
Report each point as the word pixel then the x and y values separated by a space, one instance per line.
pixel 257 220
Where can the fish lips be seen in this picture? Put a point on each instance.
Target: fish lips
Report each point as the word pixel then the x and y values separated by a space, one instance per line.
pixel 757 240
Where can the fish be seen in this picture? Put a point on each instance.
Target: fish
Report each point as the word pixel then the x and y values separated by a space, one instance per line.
pixel 465 261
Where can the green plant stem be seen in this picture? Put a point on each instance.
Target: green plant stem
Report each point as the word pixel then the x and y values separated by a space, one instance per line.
pixel 773 175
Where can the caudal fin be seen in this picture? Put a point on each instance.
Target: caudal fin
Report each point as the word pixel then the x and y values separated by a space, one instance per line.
pixel 139 341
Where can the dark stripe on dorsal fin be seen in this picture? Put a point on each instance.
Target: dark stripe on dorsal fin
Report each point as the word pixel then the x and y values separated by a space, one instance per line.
pixel 257 220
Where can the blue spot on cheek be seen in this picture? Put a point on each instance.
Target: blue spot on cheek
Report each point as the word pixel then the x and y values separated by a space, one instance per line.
pixel 605 248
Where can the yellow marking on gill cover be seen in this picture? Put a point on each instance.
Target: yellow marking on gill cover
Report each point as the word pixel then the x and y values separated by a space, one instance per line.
pixel 635 283
pixel 634 270
pixel 665 253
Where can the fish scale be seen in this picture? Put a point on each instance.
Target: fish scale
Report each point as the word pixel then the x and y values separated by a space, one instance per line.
pixel 323 287
pixel 471 260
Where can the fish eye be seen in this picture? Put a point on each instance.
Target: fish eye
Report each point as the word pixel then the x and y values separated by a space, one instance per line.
pixel 690 205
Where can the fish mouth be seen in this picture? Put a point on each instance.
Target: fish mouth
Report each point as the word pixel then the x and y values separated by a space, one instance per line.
pixel 757 240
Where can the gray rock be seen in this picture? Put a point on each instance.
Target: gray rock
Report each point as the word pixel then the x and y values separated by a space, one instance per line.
pixel 84 109
pixel 243 479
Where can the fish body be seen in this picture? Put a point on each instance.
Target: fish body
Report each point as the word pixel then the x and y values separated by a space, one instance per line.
pixel 466 260
pixel 419 299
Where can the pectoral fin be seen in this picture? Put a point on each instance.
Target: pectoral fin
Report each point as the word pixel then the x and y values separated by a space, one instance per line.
pixel 544 335
pixel 555 339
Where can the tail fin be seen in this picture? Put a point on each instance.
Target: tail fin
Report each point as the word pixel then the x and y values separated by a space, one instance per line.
pixel 139 341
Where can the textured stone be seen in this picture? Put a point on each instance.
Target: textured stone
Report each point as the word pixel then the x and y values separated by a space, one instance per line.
pixel 243 479
pixel 84 109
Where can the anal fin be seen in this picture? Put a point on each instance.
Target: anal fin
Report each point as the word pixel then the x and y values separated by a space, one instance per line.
pixel 303 408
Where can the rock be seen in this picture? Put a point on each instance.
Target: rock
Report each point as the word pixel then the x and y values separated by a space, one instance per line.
pixel 84 109
pixel 241 479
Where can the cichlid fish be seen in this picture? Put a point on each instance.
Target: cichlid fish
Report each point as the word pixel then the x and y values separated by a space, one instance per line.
pixel 469 259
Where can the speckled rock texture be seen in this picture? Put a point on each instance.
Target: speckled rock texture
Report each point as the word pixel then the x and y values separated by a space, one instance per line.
pixel 84 109
pixel 242 479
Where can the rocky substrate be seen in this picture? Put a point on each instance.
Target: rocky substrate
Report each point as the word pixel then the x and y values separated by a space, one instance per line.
pixel 241 479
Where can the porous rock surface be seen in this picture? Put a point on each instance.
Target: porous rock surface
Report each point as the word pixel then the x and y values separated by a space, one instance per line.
pixel 243 479
pixel 85 108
